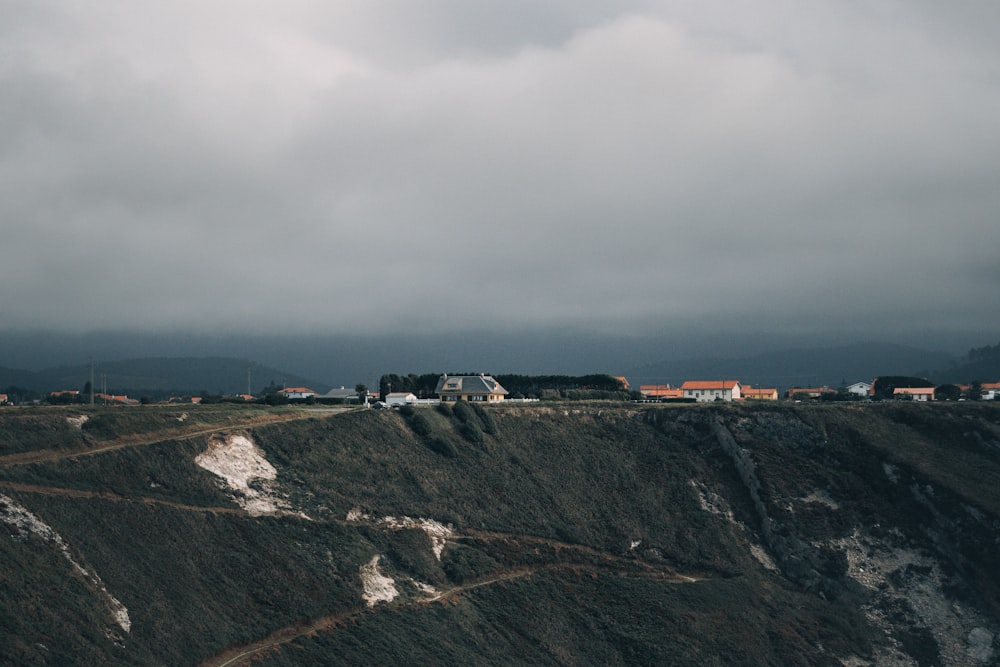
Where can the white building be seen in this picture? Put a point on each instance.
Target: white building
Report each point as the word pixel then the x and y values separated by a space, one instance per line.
pixel 297 392
pixel 989 391
pixel 400 398
pixel 921 394
pixel 712 390
pixel 860 389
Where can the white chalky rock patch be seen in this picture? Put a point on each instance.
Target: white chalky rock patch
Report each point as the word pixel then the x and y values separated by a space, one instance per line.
pixel 437 531
pixel 820 497
pixel 79 421
pixel 377 586
pixel 713 503
pixel 959 630
pixel 238 461
pixel 426 589
pixel 20 518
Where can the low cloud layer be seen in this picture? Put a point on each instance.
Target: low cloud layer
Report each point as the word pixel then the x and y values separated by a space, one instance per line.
pixel 625 166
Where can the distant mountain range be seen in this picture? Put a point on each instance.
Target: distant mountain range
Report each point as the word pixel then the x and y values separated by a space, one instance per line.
pixel 183 375
pixel 821 366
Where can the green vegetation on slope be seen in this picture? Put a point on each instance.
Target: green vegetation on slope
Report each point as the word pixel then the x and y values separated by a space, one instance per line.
pixel 585 534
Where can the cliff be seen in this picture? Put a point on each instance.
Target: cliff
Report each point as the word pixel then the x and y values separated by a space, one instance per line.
pixel 565 534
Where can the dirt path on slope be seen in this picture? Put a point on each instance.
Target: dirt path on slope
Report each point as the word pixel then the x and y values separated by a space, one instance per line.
pixel 242 655
pixel 114 497
pixel 580 560
pixel 568 555
pixel 622 564
pixel 143 439
pixel 329 623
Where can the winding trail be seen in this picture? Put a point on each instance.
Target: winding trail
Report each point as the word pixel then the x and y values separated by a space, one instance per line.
pixel 115 497
pixel 569 558
pixel 242 655
pixel 557 556
pixel 142 440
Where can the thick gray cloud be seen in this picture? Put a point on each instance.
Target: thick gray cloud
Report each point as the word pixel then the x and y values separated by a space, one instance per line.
pixel 795 166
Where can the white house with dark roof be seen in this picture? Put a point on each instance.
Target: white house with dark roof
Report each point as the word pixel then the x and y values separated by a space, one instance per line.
pixel 478 388
pixel 297 392
pixel 860 388
pixel 343 393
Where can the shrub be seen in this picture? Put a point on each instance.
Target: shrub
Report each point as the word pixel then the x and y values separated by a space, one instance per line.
pixel 442 447
pixel 411 551
pixel 462 563
pixel 464 412
pixel 489 426
pixel 470 431
pixel 420 424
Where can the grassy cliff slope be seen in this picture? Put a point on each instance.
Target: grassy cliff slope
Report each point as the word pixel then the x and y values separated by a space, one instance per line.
pixel 566 535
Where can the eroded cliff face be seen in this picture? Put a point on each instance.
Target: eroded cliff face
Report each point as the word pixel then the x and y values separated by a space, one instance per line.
pixel 880 506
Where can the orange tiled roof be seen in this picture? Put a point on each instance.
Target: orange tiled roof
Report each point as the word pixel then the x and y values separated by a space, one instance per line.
pixel 660 390
pixel 758 391
pixel 709 384
pixel 914 391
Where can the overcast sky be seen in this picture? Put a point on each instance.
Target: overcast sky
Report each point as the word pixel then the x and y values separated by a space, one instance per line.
pixel 394 165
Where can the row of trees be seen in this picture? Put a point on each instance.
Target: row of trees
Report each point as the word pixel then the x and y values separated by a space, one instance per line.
pixel 518 386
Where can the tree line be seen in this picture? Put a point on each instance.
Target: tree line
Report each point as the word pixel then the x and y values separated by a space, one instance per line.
pixel 596 385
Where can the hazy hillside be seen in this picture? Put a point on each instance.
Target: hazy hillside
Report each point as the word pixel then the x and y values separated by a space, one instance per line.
pixel 567 534
pixel 978 364
pixel 829 366
pixel 160 374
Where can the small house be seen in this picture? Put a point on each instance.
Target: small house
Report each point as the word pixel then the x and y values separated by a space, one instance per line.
pixel 759 393
pixel 921 394
pixel 297 392
pixel 345 394
pixel 704 391
pixel 397 398
pixel 989 391
pixel 660 392
pixel 119 399
pixel 859 389
pixel 478 388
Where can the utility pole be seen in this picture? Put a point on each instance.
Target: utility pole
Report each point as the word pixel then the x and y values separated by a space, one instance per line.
pixel 91 380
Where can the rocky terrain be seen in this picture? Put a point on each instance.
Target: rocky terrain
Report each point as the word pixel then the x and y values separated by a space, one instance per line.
pixel 562 534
